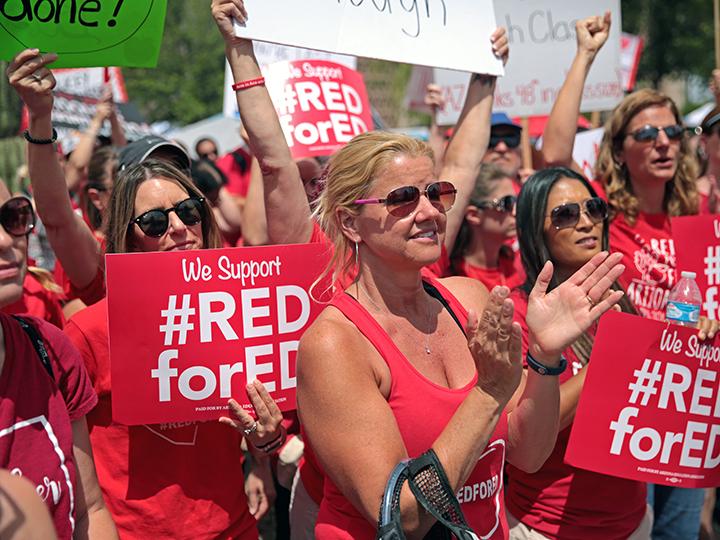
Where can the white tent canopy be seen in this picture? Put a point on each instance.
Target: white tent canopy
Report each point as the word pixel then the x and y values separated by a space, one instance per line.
pixel 224 131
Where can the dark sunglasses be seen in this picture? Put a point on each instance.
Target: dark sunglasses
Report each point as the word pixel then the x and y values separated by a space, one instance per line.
pixel 511 140
pixel 155 222
pixel 17 216
pixel 504 204
pixel 651 133
pixel 567 215
pixel 402 201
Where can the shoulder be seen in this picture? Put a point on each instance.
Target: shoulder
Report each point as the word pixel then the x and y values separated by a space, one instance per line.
pixel 471 293
pixel 91 319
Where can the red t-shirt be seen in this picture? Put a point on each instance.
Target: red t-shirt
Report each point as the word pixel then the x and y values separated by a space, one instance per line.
pixel 36 412
pixel 565 503
pixel 180 480
pixel 649 258
pixel 421 409
pixel 91 293
pixel 236 167
pixel 38 302
pixel 507 273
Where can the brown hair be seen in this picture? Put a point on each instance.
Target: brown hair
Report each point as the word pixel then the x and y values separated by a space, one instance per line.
pixel 97 179
pixel 681 197
pixel 121 208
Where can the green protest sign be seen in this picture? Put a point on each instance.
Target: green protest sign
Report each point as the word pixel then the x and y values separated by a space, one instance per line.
pixel 84 33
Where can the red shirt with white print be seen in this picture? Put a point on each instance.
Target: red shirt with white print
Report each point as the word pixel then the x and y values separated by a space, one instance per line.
pixel 36 411
pixel 649 258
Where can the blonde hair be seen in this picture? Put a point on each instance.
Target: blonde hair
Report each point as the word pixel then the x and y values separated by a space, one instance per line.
pixel 349 176
pixel 681 196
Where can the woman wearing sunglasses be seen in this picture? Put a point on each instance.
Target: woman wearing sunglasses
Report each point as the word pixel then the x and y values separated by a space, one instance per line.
pixel 45 393
pixel 482 249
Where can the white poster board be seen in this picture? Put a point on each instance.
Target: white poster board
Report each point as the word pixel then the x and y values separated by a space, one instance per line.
pixel 453 34
pixel 542 46
pixel 585 150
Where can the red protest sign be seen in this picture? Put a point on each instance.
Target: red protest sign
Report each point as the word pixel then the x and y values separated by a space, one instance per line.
pixel 321 105
pixel 697 243
pixel 650 406
pixel 189 329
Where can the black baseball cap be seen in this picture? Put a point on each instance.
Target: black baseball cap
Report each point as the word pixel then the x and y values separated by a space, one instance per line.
pixel 142 149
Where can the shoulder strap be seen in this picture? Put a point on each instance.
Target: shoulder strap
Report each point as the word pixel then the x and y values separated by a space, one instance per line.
pixel 37 343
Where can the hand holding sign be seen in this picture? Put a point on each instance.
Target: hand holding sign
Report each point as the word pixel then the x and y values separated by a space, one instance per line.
pixel 558 318
pixel 224 11
pixel 33 81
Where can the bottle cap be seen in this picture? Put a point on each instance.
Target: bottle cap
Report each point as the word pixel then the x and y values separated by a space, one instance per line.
pixel 686 274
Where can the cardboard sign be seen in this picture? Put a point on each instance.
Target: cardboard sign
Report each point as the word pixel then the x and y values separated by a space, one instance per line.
pixel 321 105
pixel 90 82
pixel 697 242
pixel 650 407
pixel 453 34
pixel 188 330
pixel 84 33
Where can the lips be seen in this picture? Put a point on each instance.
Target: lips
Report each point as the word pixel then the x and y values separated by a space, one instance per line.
pixel 587 242
pixel 9 270
pixel 424 234
pixel 183 246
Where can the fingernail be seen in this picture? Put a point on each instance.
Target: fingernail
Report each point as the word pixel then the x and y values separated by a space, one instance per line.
pixel 507 309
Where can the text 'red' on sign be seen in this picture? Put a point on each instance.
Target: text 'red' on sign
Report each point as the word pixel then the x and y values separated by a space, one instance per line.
pixel 188 330
pixel 321 105
pixel 697 243
pixel 650 407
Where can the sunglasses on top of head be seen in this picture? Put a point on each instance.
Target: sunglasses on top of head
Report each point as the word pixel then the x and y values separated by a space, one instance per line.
pixel 568 215
pixel 156 222
pixel 504 204
pixel 511 140
pixel 651 133
pixel 402 201
pixel 17 216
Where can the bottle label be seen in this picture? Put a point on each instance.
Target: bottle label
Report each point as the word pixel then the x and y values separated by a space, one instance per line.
pixel 682 312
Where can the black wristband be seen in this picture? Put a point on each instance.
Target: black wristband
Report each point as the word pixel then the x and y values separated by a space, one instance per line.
pixel 272 445
pixel 542 369
pixel 29 138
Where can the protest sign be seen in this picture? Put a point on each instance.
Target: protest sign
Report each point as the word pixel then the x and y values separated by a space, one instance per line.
pixel 543 44
pixel 650 407
pixel 630 51
pixel 697 243
pixel 585 149
pixel 442 33
pixel 321 105
pixel 206 323
pixel 90 82
pixel 84 33
pixel 269 53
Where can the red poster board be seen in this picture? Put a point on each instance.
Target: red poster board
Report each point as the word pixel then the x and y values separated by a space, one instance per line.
pixel 697 244
pixel 188 330
pixel 650 407
pixel 321 105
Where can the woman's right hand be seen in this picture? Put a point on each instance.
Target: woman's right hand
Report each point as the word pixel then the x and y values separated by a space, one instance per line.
pixel 33 81
pixel 224 11
pixel 495 343
pixel 592 33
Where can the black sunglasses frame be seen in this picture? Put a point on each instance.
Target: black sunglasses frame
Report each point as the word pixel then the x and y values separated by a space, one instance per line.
pixel 511 140
pixel 649 133
pixel 166 213
pixel 7 219
pixel 499 205
pixel 575 216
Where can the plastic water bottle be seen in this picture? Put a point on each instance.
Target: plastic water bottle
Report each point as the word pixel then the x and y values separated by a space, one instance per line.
pixel 684 301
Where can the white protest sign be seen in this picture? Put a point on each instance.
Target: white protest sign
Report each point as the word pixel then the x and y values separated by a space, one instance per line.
pixel 270 53
pixel 631 50
pixel 442 33
pixel 542 46
pixel 90 82
pixel 585 149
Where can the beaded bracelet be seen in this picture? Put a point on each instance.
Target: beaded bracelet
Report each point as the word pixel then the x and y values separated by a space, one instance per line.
pixel 244 85
pixel 29 138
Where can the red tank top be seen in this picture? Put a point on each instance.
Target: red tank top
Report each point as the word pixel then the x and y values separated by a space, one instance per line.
pixel 422 410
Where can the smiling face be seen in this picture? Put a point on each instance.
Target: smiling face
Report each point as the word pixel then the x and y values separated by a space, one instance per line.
pixel 414 239
pixel 571 247
pixel 651 162
pixel 160 194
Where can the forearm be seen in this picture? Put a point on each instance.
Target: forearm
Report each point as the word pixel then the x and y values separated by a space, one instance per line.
pixel 559 134
pixel 254 223
pixel 96 523
pixel 229 209
pixel 117 133
pixel 570 392
pixel 80 157
pixel 436 141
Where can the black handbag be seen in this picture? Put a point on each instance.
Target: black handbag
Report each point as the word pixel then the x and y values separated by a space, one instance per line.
pixel 427 480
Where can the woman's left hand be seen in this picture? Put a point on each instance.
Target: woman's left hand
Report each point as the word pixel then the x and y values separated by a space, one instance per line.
pixel 266 426
pixel 556 319
pixel 707 328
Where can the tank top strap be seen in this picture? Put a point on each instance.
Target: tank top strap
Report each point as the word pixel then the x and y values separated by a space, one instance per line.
pixel 448 300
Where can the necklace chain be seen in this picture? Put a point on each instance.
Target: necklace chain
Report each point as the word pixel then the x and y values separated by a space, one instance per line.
pixel 380 310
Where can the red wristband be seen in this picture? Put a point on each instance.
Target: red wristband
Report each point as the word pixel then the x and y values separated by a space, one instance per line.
pixel 243 85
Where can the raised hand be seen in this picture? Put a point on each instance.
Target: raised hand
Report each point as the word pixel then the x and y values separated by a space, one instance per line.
pixel 33 81
pixel 556 319
pixel 496 344
pixel 592 33
pixel 434 98
pixel 224 11
pixel 266 426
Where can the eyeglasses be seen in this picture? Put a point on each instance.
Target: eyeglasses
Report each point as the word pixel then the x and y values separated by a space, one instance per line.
pixel 504 204
pixel 567 215
pixel 17 216
pixel 156 222
pixel 651 133
pixel 511 140
pixel 402 201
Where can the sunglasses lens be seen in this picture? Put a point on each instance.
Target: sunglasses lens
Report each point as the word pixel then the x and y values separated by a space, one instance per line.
pixel 648 133
pixel 566 215
pixel 674 132
pixel 507 203
pixel 402 201
pixel 17 216
pixel 511 140
pixel 597 209
pixel 153 223
pixel 442 195
pixel 190 211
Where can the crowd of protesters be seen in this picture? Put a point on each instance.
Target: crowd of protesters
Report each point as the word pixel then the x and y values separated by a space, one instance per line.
pixel 465 295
